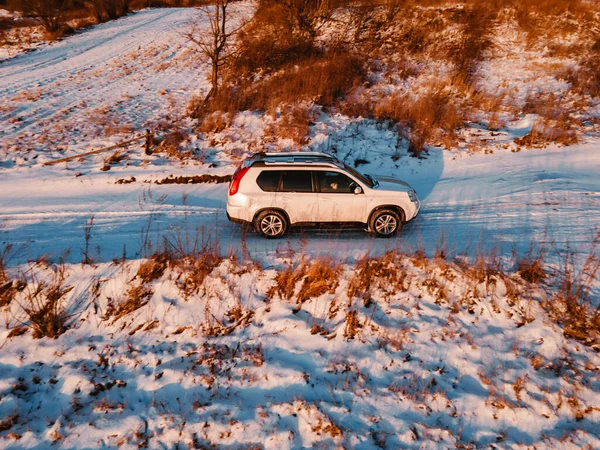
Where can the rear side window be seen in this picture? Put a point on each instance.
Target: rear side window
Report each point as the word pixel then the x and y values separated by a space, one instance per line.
pixel 296 181
pixel 268 180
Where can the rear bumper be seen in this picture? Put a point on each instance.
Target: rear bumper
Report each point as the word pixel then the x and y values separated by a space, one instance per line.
pixel 236 213
pixel 235 220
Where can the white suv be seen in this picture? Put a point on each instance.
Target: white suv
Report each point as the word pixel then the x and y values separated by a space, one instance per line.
pixel 274 191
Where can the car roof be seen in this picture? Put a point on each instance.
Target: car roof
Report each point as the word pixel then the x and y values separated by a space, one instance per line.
pixel 293 158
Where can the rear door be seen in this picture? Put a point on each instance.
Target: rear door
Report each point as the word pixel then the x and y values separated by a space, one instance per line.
pixel 296 195
pixel 337 200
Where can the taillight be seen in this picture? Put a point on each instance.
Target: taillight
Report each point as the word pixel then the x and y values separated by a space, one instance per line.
pixel 235 181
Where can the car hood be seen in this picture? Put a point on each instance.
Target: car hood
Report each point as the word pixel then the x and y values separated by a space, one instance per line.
pixel 390 184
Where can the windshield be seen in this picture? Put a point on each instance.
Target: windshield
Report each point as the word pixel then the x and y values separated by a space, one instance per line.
pixel 364 178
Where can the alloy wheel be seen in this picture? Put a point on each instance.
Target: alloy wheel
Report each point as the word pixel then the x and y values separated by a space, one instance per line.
pixel 271 225
pixel 386 224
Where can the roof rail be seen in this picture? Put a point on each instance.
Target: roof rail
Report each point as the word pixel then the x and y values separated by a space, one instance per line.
pixel 293 157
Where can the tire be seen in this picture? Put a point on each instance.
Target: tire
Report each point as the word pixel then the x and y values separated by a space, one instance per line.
pixel 385 223
pixel 271 224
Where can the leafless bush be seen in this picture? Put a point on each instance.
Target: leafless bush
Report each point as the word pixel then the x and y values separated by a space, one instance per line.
pixel 196 256
pixel 585 78
pixel 293 124
pixel 572 305
pixel 384 272
pixel 135 297
pixel 153 268
pixel 322 276
pixel 286 281
pixel 531 269
pixel 476 38
pixel 352 324
pixel 44 305
pixel 545 132
pixel 212 123
pixel 431 118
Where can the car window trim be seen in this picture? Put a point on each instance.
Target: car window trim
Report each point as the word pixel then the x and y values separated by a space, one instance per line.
pixel 312 182
pixel 317 184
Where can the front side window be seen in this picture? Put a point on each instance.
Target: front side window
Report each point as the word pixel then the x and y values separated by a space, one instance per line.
pixel 296 181
pixel 268 180
pixel 335 183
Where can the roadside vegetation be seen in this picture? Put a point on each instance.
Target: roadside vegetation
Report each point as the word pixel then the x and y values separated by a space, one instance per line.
pixel 398 329
pixel 421 67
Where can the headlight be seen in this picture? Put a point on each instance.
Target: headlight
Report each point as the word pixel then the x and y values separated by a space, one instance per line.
pixel 413 196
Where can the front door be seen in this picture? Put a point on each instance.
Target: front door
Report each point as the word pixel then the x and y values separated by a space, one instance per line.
pixel 337 200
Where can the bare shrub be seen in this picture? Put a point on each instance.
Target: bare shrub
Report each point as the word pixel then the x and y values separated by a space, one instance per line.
pixel 294 124
pixel 531 269
pixel 135 297
pixel 49 13
pixel 371 274
pixel 153 268
pixel 352 324
pixel 44 305
pixel 545 132
pixel 322 276
pixel 196 256
pixel 269 42
pixel 478 22
pixel 585 78
pixel 170 145
pixel 212 123
pixel 286 280
pixel 432 117
pixel 322 79
pixel 572 305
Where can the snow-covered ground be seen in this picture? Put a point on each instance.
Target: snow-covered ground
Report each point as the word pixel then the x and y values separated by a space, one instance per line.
pixel 424 355
pixel 116 78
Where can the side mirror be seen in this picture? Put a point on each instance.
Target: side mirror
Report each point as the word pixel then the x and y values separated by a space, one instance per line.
pixel 358 190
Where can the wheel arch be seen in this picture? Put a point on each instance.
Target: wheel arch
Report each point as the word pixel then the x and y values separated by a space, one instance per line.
pixel 397 209
pixel 269 208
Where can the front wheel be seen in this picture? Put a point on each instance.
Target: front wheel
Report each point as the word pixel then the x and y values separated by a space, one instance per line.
pixel 385 223
pixel 271 224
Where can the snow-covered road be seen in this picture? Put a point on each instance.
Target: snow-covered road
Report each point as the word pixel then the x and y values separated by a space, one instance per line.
pixel 114 79
pixel 545 197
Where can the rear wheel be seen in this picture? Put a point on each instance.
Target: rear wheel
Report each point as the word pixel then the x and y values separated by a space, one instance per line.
pixel 271 224
pixel 385 223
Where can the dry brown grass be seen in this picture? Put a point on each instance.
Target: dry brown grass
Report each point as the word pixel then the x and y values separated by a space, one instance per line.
pixel 135 297
pixel 531 269
pixel 431 117
pixel 546 132
pixel 572 305
pixel 44 305
pixel 322 276
pixel 286 281
pixel 352 324
pixel 293 124
pixel 195 268
pixel 153 268
pixel 383 273
pixel 322 79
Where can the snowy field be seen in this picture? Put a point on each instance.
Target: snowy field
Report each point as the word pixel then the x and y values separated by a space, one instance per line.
pixel 435 356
